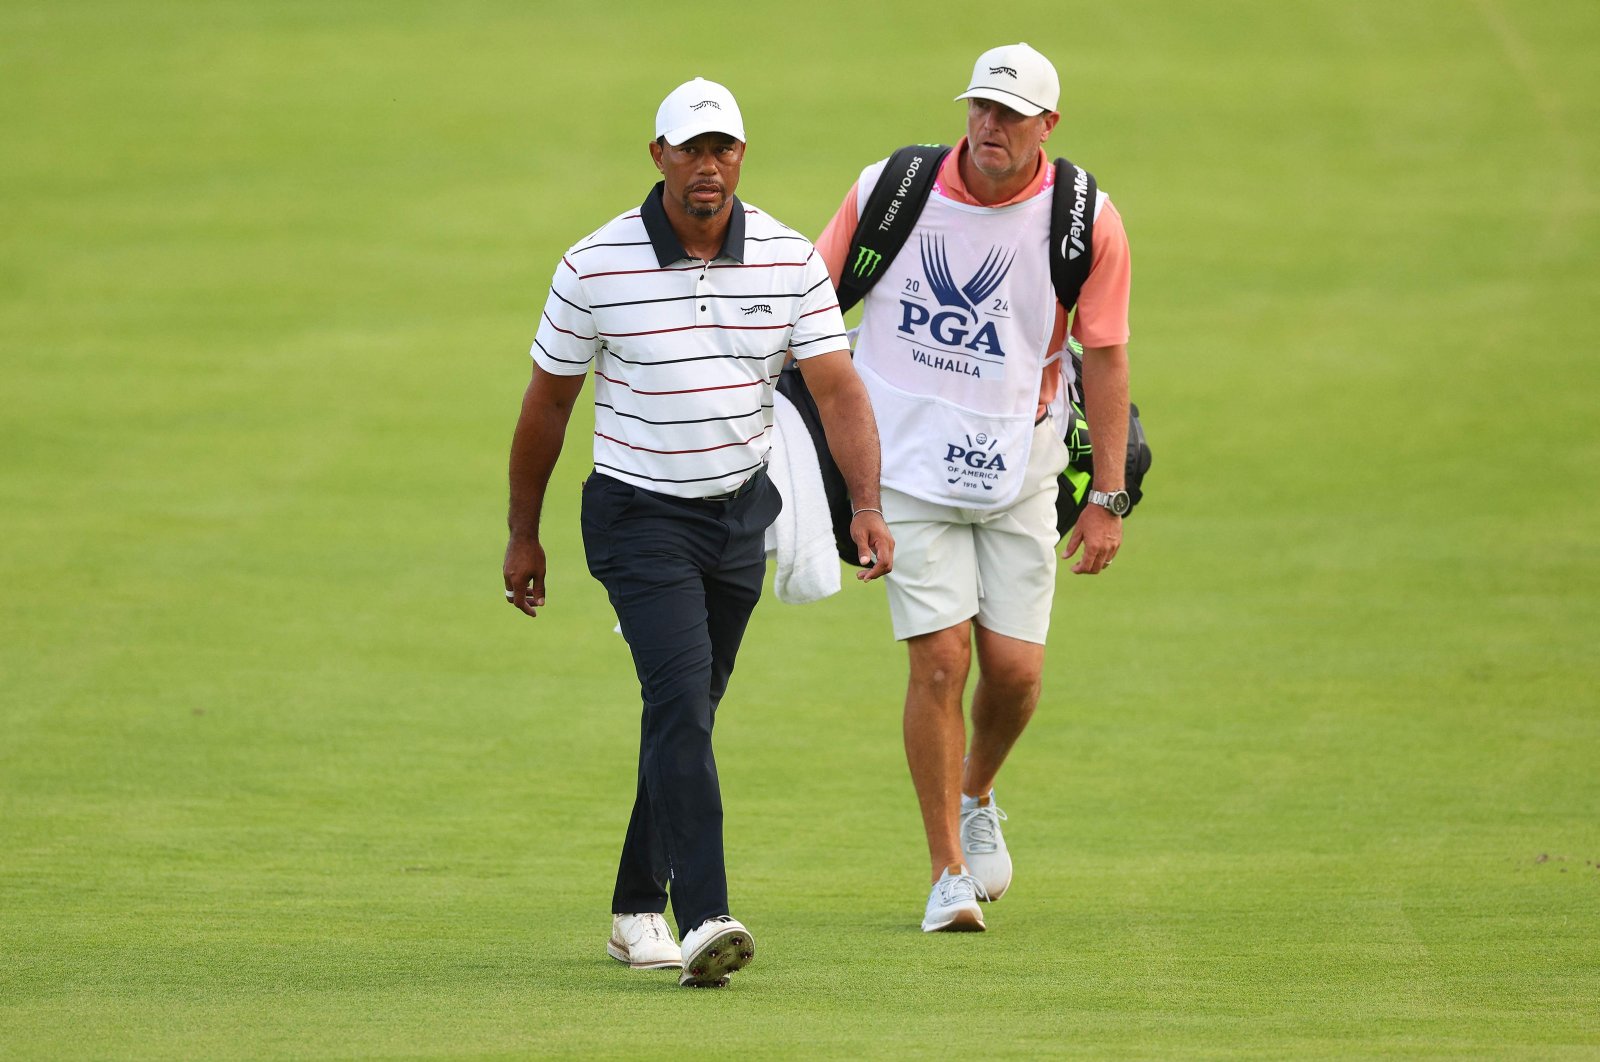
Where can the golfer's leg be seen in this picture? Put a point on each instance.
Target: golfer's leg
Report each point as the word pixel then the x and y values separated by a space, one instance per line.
pixel 666 629
pixel 734 586
pixel 642 871
pixel 935 735
pixel 731 597
pixel 659 597
pixel 660 602
pixel 1002 704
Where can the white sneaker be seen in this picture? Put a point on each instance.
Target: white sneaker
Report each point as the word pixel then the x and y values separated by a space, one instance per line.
pixel 643 941
pixel 714 949
pixel 953 904
pixel 983 847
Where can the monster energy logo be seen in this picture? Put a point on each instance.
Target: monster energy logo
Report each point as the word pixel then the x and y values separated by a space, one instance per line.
pixel 866 262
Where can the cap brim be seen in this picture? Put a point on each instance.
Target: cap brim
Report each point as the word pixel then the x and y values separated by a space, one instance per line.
pixel 687 132
pixel 1024 107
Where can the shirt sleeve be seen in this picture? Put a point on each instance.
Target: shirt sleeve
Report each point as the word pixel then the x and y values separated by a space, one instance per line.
pixel 566 342
pixel 818 326
pixel 1101 319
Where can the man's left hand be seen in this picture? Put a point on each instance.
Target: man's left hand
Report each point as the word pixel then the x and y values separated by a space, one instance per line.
pixel 1099 532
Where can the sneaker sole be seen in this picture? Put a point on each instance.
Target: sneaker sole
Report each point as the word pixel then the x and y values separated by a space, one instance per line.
pixel 728 952
pixel 619 953
pixel 960 922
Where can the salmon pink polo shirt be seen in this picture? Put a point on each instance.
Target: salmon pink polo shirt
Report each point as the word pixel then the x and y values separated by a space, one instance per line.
pixel 1101 316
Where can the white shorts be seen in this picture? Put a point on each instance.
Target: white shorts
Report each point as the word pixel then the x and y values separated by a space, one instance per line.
pixel 999 565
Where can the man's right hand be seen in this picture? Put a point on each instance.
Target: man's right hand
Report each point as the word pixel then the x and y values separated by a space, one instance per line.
pixel 524 574
pixel 874 543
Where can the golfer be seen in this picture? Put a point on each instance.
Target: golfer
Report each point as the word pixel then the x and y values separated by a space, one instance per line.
pixel 685 307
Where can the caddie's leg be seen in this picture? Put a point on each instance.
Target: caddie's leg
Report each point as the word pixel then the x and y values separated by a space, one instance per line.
pixel 1003 703
pixel 935 735
pixel 1016 558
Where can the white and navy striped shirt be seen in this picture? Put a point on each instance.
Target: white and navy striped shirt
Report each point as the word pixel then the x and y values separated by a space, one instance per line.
pixel 685 352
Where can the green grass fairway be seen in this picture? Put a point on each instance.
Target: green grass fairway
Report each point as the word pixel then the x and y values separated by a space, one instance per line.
pixel 1317 770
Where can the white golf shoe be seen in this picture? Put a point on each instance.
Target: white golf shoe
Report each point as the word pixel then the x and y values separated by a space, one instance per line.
pixel 714 949
pixel 983 846
pixel 643 941
pixel 953 904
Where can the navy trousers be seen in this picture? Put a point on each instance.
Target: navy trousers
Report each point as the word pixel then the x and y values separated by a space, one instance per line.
pixel 683 577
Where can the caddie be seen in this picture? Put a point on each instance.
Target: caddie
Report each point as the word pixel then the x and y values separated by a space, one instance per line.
pixel 959 347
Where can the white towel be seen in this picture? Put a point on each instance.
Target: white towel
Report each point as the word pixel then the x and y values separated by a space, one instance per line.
pixel 802 535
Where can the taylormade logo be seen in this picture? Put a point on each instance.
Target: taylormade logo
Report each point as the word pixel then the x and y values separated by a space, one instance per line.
pixel 1080 203
pixel 704 104
pixel 900 194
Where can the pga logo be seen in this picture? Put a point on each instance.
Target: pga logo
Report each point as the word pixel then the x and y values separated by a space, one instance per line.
pixel 977 462
pixel 951 328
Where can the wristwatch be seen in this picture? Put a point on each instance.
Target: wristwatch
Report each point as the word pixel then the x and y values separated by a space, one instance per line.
pixel 1116 501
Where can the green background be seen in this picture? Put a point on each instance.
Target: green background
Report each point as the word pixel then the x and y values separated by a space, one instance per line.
pixel 281 776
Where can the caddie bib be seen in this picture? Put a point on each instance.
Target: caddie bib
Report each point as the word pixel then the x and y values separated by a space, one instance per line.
pixel 951 348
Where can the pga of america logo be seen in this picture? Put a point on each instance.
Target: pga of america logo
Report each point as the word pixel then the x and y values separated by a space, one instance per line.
pixel 977 464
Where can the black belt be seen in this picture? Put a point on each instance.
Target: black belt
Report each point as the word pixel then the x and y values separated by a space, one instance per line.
pixel 743 488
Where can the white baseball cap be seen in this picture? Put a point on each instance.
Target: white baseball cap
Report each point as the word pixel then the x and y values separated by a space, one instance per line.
pixel 1017 76
pixel 696 107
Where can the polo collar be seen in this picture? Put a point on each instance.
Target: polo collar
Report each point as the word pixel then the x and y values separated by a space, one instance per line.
pixel 665 242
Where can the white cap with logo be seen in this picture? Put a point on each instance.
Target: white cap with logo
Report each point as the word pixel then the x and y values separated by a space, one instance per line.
pixel 696 107
pixel 1017 76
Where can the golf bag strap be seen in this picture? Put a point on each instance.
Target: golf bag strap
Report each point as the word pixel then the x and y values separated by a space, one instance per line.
pixel 892 209
pixel 1071 231
pixel 902 190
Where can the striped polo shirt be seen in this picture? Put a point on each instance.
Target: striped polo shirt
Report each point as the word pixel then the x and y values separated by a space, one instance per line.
pixel 685 352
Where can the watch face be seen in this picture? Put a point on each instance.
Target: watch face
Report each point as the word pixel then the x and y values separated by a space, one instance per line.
pixel 1121 503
